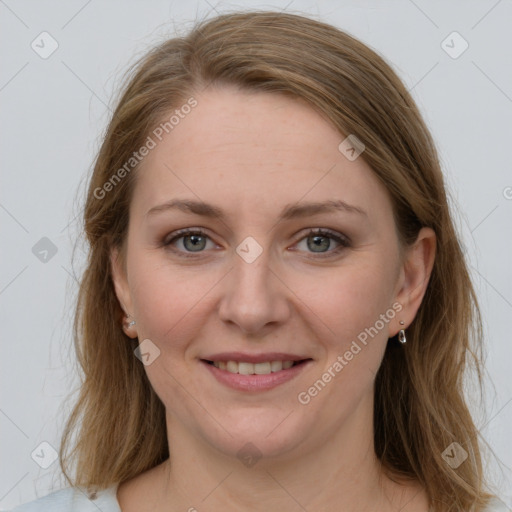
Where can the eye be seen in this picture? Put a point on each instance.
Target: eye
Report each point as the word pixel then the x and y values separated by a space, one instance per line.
pixel 320 241
pixel 188 241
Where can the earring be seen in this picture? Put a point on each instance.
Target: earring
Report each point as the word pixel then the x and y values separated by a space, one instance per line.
pixel 129 324
pixel 401 334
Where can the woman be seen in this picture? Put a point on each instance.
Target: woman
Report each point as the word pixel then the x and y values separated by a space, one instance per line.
pixel 276 312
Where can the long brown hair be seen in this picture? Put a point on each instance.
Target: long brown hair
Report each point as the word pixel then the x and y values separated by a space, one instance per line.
pixel 420 408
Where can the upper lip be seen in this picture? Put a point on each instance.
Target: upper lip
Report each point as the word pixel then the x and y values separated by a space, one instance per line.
pixel 254 358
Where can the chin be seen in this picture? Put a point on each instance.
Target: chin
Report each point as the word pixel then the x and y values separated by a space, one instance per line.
pixel 260 434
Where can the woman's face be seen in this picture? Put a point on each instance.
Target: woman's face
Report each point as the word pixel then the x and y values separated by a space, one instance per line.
pixel 257 286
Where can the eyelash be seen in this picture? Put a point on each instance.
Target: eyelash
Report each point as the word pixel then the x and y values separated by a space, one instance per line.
pixel 341 239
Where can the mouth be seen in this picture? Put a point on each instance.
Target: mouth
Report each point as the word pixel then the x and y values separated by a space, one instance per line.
pixel 255 376
pixel 263 368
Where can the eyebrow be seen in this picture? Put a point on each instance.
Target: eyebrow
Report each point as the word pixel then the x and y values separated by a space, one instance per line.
pixel 290 211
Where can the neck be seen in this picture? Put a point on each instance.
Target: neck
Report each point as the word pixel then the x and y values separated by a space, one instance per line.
pixel 344 468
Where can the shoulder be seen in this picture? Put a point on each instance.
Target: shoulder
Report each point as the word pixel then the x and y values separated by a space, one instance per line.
pixel 74 499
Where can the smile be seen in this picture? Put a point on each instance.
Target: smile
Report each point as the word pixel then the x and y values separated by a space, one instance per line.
pixel 244 368
pixel 261 376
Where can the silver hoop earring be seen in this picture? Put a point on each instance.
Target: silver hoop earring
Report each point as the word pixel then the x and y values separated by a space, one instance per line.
pixel 401 336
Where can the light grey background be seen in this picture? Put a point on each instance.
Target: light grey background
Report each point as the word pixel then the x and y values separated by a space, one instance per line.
pixel 55 109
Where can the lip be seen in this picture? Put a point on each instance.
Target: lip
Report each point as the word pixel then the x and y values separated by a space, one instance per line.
pixel 256 383
pixel 254 358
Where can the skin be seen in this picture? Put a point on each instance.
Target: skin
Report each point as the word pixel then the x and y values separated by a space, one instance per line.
pixel 251 154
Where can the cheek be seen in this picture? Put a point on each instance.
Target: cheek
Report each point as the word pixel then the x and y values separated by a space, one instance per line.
pixel 352 299
pixel 171 306
pixel 169 302
pixel 355 309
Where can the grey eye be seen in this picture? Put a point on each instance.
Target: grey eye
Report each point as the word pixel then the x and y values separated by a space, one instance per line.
pixel 194 242
pixel 318 243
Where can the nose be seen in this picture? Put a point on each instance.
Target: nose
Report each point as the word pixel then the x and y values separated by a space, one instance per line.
pixel 254 297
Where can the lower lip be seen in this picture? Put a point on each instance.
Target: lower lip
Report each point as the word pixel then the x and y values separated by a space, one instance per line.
pixel 255 382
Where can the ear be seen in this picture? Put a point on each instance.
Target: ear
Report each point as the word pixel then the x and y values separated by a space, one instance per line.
pixel 414 276
pixel 122 290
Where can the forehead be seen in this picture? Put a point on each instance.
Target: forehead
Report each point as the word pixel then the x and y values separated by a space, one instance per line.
pixel 254 152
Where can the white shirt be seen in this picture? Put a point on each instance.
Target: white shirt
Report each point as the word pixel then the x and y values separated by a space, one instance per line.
pixel 78 500
pixel 74 499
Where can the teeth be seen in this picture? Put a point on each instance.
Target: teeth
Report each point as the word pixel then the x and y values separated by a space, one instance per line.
pixel 262 368
pixel 276 366
pixel 245 368
pixel 232 367
pixel 253 368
